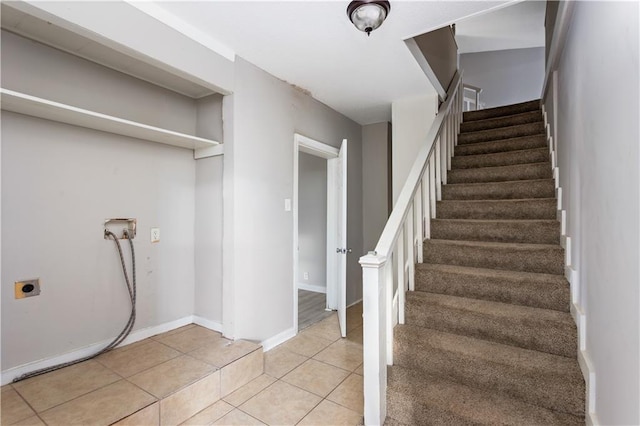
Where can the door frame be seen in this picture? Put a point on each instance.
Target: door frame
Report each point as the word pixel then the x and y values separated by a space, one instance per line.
pixel 318 149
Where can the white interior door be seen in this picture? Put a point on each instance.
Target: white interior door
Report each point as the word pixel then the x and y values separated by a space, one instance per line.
pixel 341 249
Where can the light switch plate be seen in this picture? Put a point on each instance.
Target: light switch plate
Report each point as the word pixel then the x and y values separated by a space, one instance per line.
pixel 287 204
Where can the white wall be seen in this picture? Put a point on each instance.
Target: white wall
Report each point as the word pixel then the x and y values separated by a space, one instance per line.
pixel 258 256
pixel 505 76
pixel 597 135
pixel 376 176
pixel 312 220
pixel 59 184
pixel 411 119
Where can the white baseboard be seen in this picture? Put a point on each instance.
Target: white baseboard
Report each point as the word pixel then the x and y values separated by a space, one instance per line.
pixel 312 287
pixel 8 375
pixel 278 339
pixel 211 325
pixel 354 303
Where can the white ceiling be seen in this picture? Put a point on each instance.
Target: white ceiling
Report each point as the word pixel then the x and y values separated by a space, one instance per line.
pixel 314 45
pixel 518 26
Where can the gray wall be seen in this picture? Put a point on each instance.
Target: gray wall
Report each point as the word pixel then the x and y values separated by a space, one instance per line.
pixel 208 239
pixel 59 183
pixel 505 76
pixel 312 220
pixel 376 179
pixel 440 49
pixel 258 263
pixel 597 135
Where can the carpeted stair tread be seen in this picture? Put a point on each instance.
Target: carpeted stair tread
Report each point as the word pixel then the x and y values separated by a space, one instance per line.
pixel 503 231
pixel 501 111
pixel 539 188
pixel 536 290
pixel 501 133
pixel 503 145
pixel 498 322
pixel 551 381
pixel 529 208
pixel 507 158
pixel 541 258
pixel 503 121
pixel 501 173
pixel 437 401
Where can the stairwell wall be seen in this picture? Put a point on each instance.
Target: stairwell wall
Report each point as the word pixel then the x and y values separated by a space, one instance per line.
pixel 598 158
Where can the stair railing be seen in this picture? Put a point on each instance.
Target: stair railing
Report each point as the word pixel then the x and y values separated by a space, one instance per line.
pixel 391 266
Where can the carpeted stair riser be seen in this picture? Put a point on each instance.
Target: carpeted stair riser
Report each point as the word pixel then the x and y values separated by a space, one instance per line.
pixel 519 288
pixel 498 322
pixel 506 121
pixel 517 131
pixel 500 231
pixel 488 113
pixel 509 158
pixel 501 173
pixel 436 401
pixel 501 146
pixel 540 258
pixel 542 188
pixel 542 379
pixel 534 208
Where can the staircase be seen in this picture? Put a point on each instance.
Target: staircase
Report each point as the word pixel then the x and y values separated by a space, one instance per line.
pixel 488 337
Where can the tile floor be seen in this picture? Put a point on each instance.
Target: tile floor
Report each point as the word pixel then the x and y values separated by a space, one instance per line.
pixel 313 379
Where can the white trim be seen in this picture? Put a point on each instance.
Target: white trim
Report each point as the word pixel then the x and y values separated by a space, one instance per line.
pixel 210 151
pixel 206 323
pixel 278 339
pixel 172 21
pixel 312 287
pixel 426 68
pixel 354 303
pixel 560 30
pixel 12 373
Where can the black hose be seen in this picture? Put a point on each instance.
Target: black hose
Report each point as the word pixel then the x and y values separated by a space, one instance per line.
pixel 131 287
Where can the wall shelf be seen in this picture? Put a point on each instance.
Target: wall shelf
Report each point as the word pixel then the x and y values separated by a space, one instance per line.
pixel 55 111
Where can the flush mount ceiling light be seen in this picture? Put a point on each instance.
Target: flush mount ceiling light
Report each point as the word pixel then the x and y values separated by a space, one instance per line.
pixel 367 15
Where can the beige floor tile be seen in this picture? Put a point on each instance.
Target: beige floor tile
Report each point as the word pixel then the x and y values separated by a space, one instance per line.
pixel 210 414
pixel 238 418
pixel 316 377
pixel 30 421
pixel 350 394
pixel 342 353
pixel 331 414
pixel 360 370
pixel 306 345
pixel 172 375
pixel 142 357
pixel 224 351
pixel 279 361
pixel 174 331
pixel 354 320
pixel 356 308
pixel 185 403
pixel 148 416
pixel 101 407
pixel 328 329
pixel 355 335
pixel 281 404
pixel 241 372
pixel 249 390
pixel 190 339
pixel 14 408
pixel 57 387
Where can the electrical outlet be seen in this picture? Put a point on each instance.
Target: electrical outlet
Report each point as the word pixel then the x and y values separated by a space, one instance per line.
pixel 305 275
pixel 27 288
pixel 155 235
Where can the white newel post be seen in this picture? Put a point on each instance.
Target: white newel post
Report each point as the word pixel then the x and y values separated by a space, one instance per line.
pixel 374 306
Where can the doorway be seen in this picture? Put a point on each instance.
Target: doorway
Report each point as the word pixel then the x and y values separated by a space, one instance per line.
pixel 319 222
